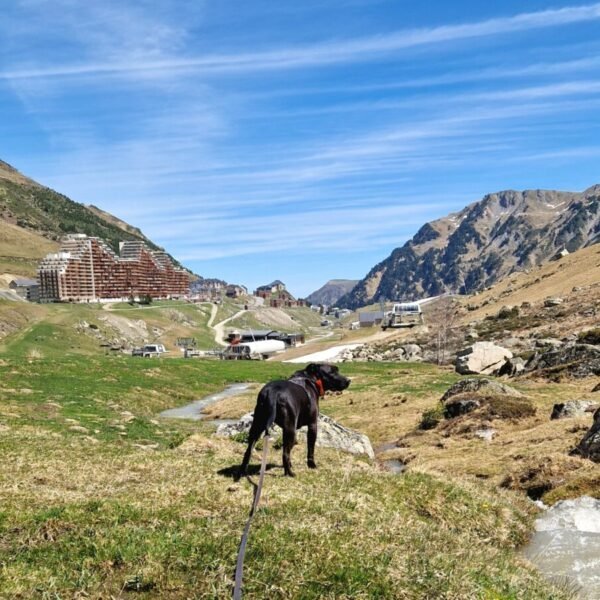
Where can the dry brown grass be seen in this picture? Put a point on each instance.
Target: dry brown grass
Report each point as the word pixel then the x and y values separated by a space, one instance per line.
pixel 580 269
pixel 18 242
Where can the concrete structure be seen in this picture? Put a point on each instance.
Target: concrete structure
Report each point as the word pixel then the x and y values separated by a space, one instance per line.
pixel 370 319
pixel 28 289
pixel 87 270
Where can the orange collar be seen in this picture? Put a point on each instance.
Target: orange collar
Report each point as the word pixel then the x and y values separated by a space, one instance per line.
pixel 319 384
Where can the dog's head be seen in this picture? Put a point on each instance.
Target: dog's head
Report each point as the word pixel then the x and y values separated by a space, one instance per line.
pixel 329 375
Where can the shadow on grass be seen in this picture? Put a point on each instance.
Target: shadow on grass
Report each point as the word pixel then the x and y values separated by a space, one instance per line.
pixel 234 471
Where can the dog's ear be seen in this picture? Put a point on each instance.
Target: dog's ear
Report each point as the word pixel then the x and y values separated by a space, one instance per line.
pixel 313 369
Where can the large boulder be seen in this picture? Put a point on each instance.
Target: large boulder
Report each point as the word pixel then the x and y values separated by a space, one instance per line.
pixel 589 446
pixel 412 352
pixel 481 358
pixel 468 395
pixel 573 408
pixel 576 360
pixel 485 386
pixel 331 435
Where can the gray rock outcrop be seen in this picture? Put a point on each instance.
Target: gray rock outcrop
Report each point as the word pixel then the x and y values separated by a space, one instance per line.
pixel 331 435
pixel 589 446
pixel 485 386
pixel 549 302
pixel 573 408
pixel 370 353
pixel 481 358
pixel 576 360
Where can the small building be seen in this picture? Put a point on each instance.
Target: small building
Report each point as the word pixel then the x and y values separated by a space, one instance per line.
pixel 28 289
pixel 370 319
pixel 235 291
pixel 264 291
pixel 258 335
pixel 293 339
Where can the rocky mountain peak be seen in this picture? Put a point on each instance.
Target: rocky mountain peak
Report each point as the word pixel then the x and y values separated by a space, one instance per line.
pixel 475 247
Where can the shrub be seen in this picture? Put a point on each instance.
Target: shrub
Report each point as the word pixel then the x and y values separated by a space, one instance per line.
pixel 592 336
pixel 509 407
pixel 508 312
pixel 430 418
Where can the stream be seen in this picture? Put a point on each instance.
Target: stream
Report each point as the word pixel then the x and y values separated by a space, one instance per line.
pixel 566 545
pixel 194 410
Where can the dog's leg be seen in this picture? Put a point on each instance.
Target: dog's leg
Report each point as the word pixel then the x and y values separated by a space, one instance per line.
pixel 311 439
pixel 253 436
pixel 289 439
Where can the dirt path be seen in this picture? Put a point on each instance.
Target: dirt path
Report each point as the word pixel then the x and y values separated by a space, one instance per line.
pixel 219 327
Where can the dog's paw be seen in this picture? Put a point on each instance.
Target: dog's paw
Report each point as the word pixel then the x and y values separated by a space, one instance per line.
pixel 311 464
pixel 290 473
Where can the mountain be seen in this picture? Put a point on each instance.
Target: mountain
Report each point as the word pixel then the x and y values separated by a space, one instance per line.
pixel 332 291
pixel 466 251
pixel 33 219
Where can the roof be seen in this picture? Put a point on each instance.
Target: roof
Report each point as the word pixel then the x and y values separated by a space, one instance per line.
pixel 258 332
pixel 25 282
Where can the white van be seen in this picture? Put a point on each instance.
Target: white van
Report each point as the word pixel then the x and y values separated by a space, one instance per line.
pixel 149 350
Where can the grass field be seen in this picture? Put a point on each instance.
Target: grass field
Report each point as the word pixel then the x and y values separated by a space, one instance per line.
pixel 101 498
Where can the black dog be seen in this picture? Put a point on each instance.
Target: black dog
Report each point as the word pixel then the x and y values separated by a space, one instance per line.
pixel 293 403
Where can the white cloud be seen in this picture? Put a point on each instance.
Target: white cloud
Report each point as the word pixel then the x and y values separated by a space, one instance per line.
pixel 326 53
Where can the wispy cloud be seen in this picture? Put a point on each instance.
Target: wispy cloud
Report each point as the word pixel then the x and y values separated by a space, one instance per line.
pixel 327 53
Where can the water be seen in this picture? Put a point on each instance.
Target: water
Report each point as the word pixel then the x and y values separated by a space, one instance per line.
pixel 566 545
pixel 194 410
pixel 394 465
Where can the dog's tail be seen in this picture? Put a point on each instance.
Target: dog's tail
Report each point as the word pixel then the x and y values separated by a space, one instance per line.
pixel 267 404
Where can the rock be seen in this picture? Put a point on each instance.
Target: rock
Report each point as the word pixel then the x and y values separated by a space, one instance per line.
pixel 573 408
pixel 548 342
pixel 513 366
pixel 596 388
pixel 471 335
pixel 481 358
pixel 412 352
pixel 78 429
pixel 589 446
pixel 331 435
pixel 549 302
pixel 577 360
pixel 460 406
pixel 487 386
pixel 486 434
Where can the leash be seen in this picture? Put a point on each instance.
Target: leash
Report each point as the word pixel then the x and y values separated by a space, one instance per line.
pixel 239 568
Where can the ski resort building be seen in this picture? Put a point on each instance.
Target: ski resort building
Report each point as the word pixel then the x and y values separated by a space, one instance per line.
pixel 86 269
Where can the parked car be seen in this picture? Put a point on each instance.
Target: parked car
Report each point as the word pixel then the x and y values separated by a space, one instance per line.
pixel 149 350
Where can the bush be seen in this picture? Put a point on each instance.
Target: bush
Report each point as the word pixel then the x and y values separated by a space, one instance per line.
pixel 508 312
pixel 592 336
pixel 509 407
pixel 431 418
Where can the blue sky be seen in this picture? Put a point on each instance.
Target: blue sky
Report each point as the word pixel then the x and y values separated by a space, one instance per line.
pixel 301 141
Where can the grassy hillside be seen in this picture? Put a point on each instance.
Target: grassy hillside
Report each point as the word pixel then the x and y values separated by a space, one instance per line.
pixel 21 250
pixel 57 329
pixel 111 499
pixel 33 218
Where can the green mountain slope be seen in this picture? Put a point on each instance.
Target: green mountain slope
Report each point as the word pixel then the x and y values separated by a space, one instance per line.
pixel 33 219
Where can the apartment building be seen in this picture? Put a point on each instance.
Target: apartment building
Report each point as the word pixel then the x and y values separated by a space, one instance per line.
pixel 86 269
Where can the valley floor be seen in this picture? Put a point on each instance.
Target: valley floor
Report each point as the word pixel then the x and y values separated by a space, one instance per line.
pixel 99 497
